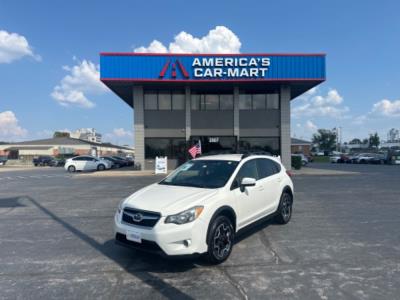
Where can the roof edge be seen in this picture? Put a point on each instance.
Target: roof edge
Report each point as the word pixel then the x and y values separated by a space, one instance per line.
pixel 207 54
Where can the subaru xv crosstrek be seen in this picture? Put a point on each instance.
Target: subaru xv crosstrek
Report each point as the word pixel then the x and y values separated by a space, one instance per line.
pixel 200 206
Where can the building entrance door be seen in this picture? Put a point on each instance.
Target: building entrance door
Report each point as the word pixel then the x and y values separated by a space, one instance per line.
pixel 216 144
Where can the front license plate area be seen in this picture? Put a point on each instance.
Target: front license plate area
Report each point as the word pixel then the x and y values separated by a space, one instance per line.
pixel 134 236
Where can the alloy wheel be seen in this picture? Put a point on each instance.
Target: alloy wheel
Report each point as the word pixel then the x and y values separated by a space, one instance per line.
pixel 286 207
pixel 222 241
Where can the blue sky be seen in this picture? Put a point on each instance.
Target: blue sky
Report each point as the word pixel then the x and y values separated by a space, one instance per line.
pixel 64 38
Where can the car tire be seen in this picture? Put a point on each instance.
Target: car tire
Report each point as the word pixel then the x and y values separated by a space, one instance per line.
pixel 220 239
pixel 101 167
pixel 71 169
pixel 285 208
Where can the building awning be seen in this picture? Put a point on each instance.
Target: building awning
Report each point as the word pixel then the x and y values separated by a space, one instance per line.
pixel 121 71
pixel 300 142
pixel 28 148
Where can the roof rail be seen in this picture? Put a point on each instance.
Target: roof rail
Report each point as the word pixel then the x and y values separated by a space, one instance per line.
pixel 250 153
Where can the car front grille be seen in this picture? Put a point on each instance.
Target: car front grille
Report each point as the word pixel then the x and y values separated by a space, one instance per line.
pixel 138 217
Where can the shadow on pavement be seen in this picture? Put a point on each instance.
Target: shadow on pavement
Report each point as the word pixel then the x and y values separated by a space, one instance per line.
pixel 109 249
pixel 10 202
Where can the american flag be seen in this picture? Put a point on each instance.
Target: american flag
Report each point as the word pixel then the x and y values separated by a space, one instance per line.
pixel 196 149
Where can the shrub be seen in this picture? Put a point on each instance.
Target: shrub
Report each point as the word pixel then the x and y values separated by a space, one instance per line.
pixel 296 162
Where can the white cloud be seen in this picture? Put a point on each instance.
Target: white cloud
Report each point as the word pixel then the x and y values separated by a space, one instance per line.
pixel 14 46
pixel 329 105
pixel 120 132
pixel 83 78
pixel 218 40
pixel 304 130
pixel 387 108
pixel 359 120
pixel 9 127
pixel 311 126
pixel 120 136
pixel 154 47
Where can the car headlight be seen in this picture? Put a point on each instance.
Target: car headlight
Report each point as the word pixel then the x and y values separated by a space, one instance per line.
pixel 119 209
pixel 186 216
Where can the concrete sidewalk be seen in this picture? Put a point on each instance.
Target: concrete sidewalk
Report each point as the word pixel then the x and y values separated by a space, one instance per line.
pixel 321 172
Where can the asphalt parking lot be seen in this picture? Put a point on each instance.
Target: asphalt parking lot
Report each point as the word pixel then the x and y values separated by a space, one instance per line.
pixel 343 242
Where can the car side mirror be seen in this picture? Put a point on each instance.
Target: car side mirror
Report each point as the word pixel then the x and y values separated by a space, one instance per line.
pixel 247 181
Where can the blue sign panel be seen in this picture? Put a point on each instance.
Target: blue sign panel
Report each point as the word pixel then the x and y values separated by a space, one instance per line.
pixel 140 67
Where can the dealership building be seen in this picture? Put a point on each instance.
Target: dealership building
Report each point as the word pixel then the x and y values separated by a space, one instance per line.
pixel 228 102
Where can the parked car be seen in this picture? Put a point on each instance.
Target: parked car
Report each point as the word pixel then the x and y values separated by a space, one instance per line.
pixel 200 206
pixel 304 159
pixel 3 160
pixel 378 158
pixel 44 160
pixel 86 163
pixel 339 159
pixel 364 158
pixel 334 159
pixel 57 162
pixel 123 162
pixel 114 162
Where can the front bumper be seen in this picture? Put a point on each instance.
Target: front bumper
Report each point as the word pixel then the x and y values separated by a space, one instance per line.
pixel 169 239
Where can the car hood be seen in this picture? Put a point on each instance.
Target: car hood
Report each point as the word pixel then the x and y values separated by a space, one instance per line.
pixel 168 199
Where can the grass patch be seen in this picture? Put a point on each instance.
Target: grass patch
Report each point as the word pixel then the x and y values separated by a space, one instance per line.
pixel 321 159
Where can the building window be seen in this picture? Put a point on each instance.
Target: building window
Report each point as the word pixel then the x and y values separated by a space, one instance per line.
pixel 150 100
pixel 261 144
pixel 174 148
pixel 272 101
pixel 211 102
pixel 245 101
pixel 226 102
pixel 258 101
pixel 178 101
pixel 195 101
pixel 164 100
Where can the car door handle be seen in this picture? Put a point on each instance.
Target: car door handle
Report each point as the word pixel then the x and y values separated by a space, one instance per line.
pixel 260 188
pixel 279 179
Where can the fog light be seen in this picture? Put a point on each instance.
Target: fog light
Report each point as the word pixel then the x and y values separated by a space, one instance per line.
pixel 187 243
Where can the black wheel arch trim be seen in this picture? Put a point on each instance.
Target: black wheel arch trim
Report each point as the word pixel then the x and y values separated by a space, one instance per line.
pixel 220 211
pixel 288 189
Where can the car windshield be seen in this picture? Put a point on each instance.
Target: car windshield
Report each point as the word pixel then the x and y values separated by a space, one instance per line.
pixel 208 174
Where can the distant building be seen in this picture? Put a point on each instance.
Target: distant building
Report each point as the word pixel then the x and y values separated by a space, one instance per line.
pixel 61 146
pixel 301 146
pixel 87 134
pixel 393 136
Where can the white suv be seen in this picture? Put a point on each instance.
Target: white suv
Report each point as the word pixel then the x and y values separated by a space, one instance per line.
pixel 201 205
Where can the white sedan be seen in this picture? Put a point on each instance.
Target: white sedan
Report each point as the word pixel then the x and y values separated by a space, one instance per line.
pixel 86 163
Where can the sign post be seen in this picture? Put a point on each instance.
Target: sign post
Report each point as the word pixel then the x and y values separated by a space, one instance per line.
pixel 161 165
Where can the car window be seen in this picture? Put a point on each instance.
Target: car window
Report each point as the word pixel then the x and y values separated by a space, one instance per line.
pixel 249 169
pixel 202 174
pixel 267 167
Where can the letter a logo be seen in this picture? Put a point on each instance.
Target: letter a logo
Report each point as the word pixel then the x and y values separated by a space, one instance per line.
pixel 173 69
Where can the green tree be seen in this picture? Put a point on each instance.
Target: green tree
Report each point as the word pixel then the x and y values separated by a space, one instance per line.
pixel 374 140
pixel 58 134
pixel 365 141
pixel 355 141
pixel 325 139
